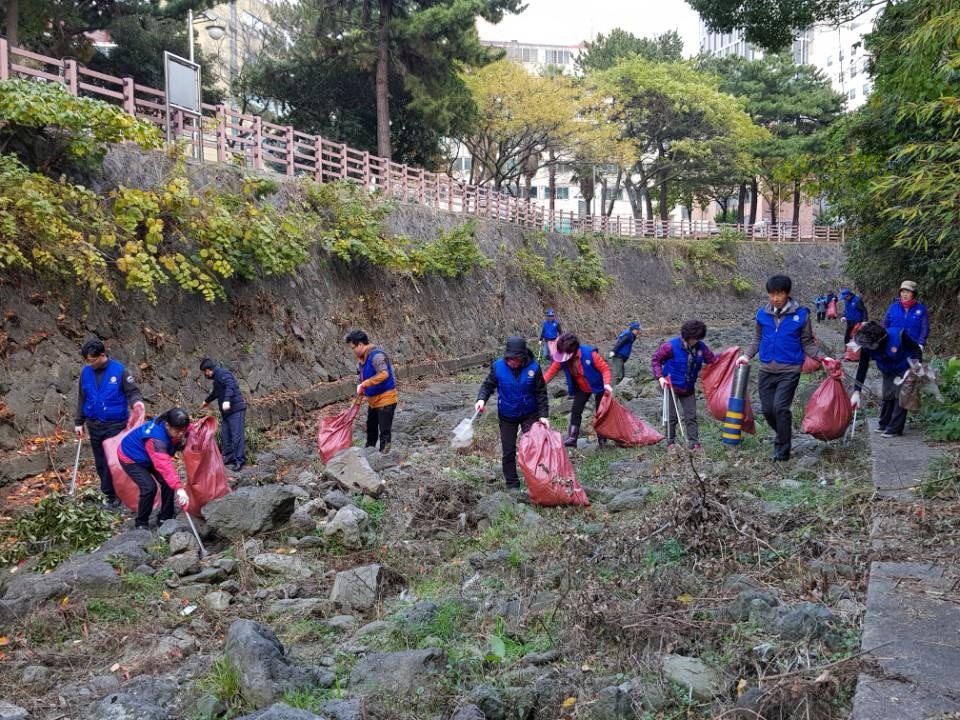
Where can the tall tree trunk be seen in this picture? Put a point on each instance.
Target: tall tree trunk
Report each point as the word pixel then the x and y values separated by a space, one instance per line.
pixel 647 201
pixel 632 196
pixel 552 180
pixel 662 201
pixel 754 200
pixel 13 20
pixel 615 193
pixel 740 202
pixel 383 87
pixel 774 207
pixel 796 203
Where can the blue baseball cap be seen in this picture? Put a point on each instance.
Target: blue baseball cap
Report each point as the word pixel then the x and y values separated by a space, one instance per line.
pixel 845 292
pixel 550 313
pixel 634 326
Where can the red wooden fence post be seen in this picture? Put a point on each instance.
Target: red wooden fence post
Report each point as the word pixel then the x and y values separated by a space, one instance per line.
pixel 70 75
pixel 129 96
pixel 221 133
pixel 318 159
pixel 4 59
pixel 258 142
pixel 343 161
pixel 291 151
pixel 366 169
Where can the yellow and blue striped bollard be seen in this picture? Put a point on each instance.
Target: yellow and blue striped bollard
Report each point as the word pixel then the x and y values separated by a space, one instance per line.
pixel 736 407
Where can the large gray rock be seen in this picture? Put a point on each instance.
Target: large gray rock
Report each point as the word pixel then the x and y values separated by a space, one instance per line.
pixel 282 711
pixel 357 588
pixel 801 621
pixel 300 606
pixel 342 710
pixel 286 565
pixel 628 500
pixel 264 670
pixel 351 471
pixel 627 701
pixel 9 711
pixel 692 674
pixel 469 712
pixel 347 526
pixel 399 673
pixel 143 698
pixel 337 499
pixel 181 541
pixel 250 510
pixel 186 563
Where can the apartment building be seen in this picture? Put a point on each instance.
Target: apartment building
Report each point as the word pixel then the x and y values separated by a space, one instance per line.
pixel 231 35
pixel 539 58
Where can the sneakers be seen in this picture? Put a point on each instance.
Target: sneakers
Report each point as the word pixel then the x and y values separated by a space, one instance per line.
pixel 112 503
pixel 879 429
pixel 888 434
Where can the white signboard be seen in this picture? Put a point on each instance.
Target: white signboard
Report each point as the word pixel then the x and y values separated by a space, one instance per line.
pixel 183 83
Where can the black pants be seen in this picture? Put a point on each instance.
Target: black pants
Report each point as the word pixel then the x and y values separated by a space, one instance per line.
pixel 776 398
pixel 98 433
pixel 232 438
pixel 821 315
pixel 893 418
pixel 580 398
pixel 380 424
pixel 147 479
pixel 847 331
pixel 685 406
pixel 508 444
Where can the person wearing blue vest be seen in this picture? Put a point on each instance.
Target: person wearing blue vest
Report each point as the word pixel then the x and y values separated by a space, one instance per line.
pixel 784 335
pixel 106 392
pixel 677 364
pixel 821 304
pixel 908 314
pixel 521 400
pixel 622 347
pixel 550 331
pixel 854 312
pixel 587 374
pixel 378 385
pixel 146 455
pixel 892 351
pixel 233 410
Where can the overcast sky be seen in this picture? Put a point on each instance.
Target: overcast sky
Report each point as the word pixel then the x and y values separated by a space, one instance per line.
pixel 567 22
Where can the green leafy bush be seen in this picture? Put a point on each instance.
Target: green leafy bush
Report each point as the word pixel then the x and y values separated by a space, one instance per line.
pixel 582 274
pixel 59 526
pixel 452 254
pixel 943 419
pixel 740 284
pixel 49 129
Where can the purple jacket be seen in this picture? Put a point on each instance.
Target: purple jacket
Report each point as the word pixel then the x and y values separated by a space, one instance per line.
pixel 665 353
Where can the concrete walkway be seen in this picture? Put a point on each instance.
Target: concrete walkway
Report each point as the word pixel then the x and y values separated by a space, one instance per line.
pixel 912 618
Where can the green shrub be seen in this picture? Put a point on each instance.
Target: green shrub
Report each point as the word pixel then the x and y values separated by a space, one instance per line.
pixel 740 284
pixel 942 420
pixel 59 526
pixel 582 274
pixel 452 254
pixel 51 130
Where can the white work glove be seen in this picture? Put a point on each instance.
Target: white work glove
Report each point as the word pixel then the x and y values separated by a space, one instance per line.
pixel 481 404
pixel 546 422
pixel 226 406
pixel 182 500
pixel 608 389
pixel 843 319
pixel 827 360
pixel 360 389
pixel 664 382
pixel 743 360
pixel 610 355
pixel 205 404
pixel 78 429
pixel 855 399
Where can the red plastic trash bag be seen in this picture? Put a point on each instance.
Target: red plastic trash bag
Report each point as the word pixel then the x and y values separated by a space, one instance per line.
pixel 832 310
pixel 852 355
pixel 828 412
pixel 614 422
pixel 547 469
pixel 717 379
pixel 125 488
pixel 206 476
pixel 336 432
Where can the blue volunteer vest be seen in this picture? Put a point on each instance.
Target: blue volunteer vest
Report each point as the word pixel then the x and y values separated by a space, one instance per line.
pixel 628 337
pixel 910 321
pixel 106 403
pixel 550 330
pixel 594 376
pixel 781 344
pixel 134 444
pixel 853 310
pixel 891 358
pixel 684 367
pixel 515 398
pixel 367 372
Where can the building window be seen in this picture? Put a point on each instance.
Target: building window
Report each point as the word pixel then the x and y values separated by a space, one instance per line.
pixel 534 190
pixel 866 89
pixel 462 164
pixel 829 60
pixel 852 94
pixel 853 71
pixel 563 193
pixel 557 57
pixel 528 55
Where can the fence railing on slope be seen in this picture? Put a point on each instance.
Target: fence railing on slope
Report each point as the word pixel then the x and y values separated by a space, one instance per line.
pixel 222 134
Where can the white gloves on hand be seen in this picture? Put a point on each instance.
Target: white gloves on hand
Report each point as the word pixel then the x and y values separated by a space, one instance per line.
pixel 78 429
pixel 480 405
pixel 360 389
pixel 743 360
pixel 855 399
pixel 546 422
pixel 663 382
pixel 843 319
pixel 182 500
pixel 826 360
pixel 226 406
pixel 608 389
pixel 610 355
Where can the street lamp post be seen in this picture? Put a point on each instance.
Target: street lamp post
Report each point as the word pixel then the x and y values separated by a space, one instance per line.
pixel 215 31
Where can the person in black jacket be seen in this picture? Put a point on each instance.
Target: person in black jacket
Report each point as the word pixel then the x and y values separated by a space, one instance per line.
pixel 521 400
pixel 233 409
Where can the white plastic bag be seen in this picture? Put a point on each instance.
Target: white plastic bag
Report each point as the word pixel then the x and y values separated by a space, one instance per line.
pixel 463 433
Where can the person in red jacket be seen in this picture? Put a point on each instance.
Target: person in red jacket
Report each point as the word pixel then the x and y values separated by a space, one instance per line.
pixel 587 374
